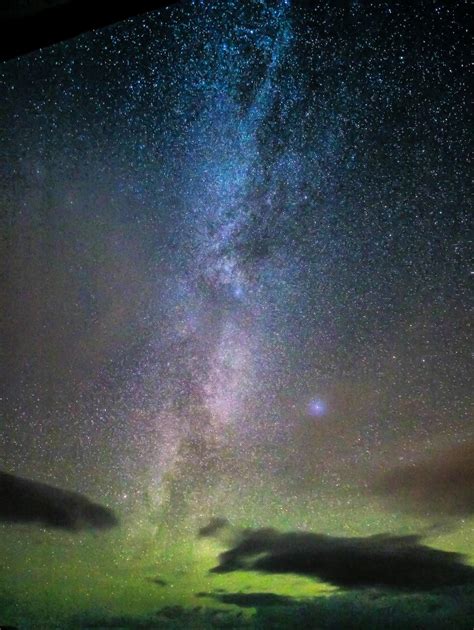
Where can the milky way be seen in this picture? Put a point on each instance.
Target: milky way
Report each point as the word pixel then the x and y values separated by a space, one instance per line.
pixel 235 245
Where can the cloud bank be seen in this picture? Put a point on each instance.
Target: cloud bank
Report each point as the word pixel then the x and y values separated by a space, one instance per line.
pixel 385 561
pixel 442 485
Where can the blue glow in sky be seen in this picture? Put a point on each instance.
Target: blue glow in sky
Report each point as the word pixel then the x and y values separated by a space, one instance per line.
pixel 317 407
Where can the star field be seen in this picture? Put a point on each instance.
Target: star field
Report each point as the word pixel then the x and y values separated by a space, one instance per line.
pixel 235 281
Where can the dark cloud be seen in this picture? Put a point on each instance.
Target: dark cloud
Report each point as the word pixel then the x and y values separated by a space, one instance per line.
pixel 351 610
pixel 386 561
pixel 158 581
pixel 362 609
pixel 169 617
pixel 215 525
pixel 442 485
pixel 26 501
pixel 252 600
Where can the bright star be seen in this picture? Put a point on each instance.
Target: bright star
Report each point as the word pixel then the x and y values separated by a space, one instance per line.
pixel 317 407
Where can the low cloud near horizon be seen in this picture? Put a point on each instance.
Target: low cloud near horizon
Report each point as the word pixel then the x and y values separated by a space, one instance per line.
pixel 383 560
pixel 26 501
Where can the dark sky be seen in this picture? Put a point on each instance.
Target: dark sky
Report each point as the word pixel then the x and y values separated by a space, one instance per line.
pixel 236 258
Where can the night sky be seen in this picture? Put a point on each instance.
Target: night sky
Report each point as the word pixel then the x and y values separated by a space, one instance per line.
pixel 235 291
